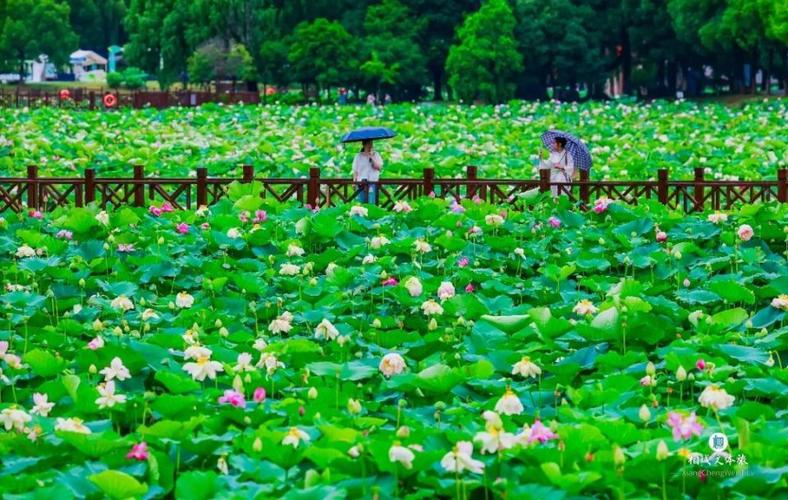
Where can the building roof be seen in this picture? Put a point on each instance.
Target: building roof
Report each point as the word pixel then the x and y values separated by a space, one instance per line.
pixel 87 58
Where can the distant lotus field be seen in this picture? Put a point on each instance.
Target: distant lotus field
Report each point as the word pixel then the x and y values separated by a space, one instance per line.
pixel 627 141
pixel 258 350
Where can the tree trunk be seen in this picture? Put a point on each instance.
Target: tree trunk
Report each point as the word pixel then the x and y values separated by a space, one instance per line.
pixel 437 77
pixel 673 70
pixel 767 74
pixel 21 68
pixel 626 59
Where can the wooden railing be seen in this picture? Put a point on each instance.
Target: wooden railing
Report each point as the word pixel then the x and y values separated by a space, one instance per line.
pixel 188 193
pixel 94 99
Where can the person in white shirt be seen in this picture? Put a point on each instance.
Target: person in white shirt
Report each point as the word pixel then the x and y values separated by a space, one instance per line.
pixel 366 172
pixel 561 165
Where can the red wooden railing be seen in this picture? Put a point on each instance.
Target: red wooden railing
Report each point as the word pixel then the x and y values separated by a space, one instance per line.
pixel 46 193
pixel 94 99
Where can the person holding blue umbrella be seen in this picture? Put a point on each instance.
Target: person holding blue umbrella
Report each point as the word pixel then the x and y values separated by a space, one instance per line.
pixel 567 154
pixel 367 164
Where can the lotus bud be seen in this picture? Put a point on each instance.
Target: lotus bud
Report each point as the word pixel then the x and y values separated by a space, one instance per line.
pixel 223 332
pixel 644 413
pixel 650 368
pixel 770 361
pixel 106 246
pixel 82 282
pixel 432 324
pixel 171 306
pixel 247 420
pixel 376 323
pixel 402 403
pixel 248 379
pixel 662 451
pixel 257 445
pixel 354 406
pixel 92 369
pixel 312 393
pixel 217 323
pixel 403 432
pixel 117 331
pixel 146 327
pixel 98 325
pixel 354 451
pixel 681 374
pixel 618 456
pixel 238 384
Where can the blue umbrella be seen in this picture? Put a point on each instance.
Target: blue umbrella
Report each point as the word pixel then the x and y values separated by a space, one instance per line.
pixel 574 146
pixel 368 134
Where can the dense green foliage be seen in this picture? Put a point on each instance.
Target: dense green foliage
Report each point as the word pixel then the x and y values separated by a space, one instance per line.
pixel 626 141
pixel 402 46
pixel 236 353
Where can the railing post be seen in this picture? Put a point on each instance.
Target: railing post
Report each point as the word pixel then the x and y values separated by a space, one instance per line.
pixel 248 173
pixel 782 185
pixel 139 187
pixel 584 177
pixel 429 178
pixel 544 180
pixel 662 185
pixel 202 187
pixel 92 102
pixel 32 187
pixel 471 172
pixel 90 185
pixel 313 188
pixel 698 189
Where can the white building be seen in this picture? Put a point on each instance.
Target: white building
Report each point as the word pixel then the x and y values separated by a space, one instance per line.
pixel 88 66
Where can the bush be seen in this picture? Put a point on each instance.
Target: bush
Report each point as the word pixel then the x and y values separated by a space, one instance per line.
pixel 134 78
pixel 114 80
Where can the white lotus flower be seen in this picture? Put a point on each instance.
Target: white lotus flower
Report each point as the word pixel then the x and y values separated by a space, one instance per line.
pixel 445 290
pixel 294 250
pixel 368 259
pixel 107 397
pixel 460 459
pixel 780 302
pixel 149 314
pixel 392 364
pixel 103 217
pixel 71 425
pixel 270 362
pixel 233 233
pixel 14 418
pixel 422 246
pixel 413 285
pixel 402 206
pixel 526 368
pixel 330 268
pixel 494 439
pixel 378 242
pixel 715 397
pixel 203 368
pixel 184 300
pixel 196 351
pixel 25 251
pixel 115 370
pixel 289 270
pixel 430 307
pixel 509 404
pixel 493 220
pixel 281 324
pixel 717 217
pixel 359 211
pixel 41 405
pixel 402 455
pixel 243 363
pixel 122 303
pixel 584 307
pixel 326 330
pixel 294 437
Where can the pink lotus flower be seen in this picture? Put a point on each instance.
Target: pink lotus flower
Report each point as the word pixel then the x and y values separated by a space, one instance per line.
pixel 205 226
pixel 541 433
pixel 260 216
pixel 456 207
pixel 155 211
pixel 476 199
pixel 139 452
pixel 234 398
pixel 700 364
pixel 125 247
pixel 554 222
pixel 661 236
pixel 469 288
pixel 64 234
pixel 166 207
pixel 684 427
pixel 36 214
pixel 182 228
pixel 259 395
pixel 646 381
pixel 745 232
pixel 601 205
pixel 462 262
pixel 96 343
pixel 244 216
pixel 390 282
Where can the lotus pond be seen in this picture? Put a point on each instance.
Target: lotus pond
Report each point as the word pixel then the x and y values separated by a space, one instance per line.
pixel 256 350
pixel 628 141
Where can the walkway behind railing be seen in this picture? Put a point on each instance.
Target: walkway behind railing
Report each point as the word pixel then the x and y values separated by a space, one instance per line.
pixel 81 98
pixel 46 193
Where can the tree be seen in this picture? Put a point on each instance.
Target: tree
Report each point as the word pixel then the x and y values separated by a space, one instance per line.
pixel 214 60
pixel 33 27
pixel 322 52
pixel 395 58
pixel 486 62
pixel 98 23
pixel 273 65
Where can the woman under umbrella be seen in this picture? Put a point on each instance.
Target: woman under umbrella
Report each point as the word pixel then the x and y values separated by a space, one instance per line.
pixel 567 154
pixel 367 164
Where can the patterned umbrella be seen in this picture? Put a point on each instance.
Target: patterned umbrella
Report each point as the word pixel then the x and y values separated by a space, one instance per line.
pixel 574 146
pixel 368 133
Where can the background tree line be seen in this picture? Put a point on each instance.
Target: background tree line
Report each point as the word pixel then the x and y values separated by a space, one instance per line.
pixel 471 49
